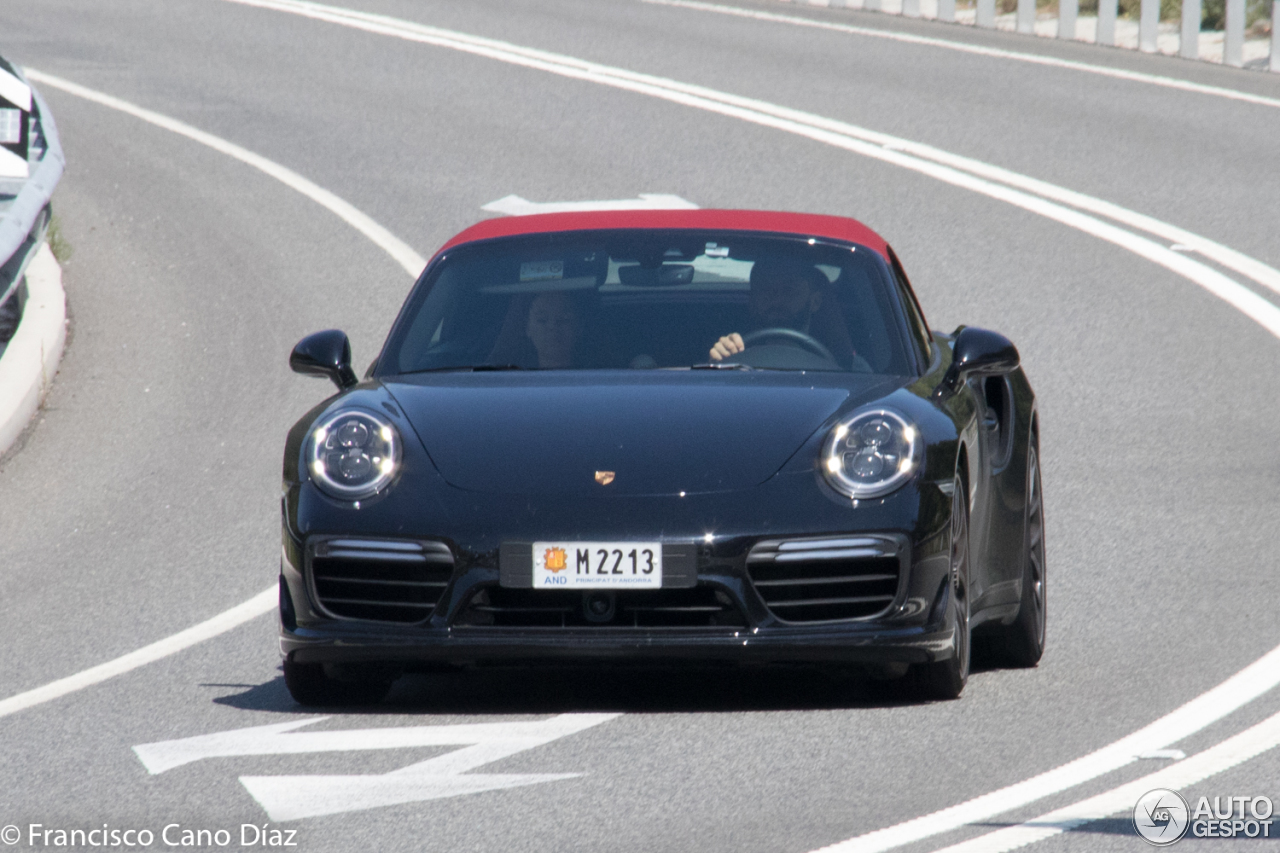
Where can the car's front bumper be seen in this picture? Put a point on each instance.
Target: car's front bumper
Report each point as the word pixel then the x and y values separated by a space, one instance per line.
pixel 907 625
pixel 825 644
pixel 913 630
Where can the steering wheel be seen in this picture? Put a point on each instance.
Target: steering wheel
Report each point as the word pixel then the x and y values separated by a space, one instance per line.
pixel 807 341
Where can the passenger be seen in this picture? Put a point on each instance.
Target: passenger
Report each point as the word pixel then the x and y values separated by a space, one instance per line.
pixel 784 294
pixel 554 327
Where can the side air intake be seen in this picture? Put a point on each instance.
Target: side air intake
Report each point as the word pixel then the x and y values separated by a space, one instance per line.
pixel 826 579
pixel 380 580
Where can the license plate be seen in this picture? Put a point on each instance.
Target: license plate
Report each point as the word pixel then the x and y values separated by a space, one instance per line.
pixel 596 565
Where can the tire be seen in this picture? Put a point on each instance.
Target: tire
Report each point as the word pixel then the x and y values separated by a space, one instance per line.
pixel 945 679
pixel 309 684
pixel 1021 644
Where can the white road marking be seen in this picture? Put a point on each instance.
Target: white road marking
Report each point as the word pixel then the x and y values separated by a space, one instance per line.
pixel 1164 754
pixel 1246 685
pixel 1206 709
pixel 283 739
pixel 514 205
pixel 1250 743
pixel 261 603
pixel 401 252
pixel 958 171
pixel 962 47
pixel 294 797
pixel 1195 715
pixel 1186 241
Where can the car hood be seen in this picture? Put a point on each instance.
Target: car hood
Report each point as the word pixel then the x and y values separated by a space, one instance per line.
pixel 540 434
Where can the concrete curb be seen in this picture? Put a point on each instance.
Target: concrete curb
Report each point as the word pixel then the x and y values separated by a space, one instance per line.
pixel 32 357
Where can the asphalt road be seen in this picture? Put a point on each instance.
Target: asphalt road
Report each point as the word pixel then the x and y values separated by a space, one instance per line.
pixel 145 498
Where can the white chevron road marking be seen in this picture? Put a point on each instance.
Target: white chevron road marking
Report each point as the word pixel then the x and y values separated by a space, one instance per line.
pixel 514 205
pixel 295 797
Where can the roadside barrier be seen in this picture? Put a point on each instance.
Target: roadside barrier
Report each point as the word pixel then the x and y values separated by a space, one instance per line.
pixel 1246 37
pixel 31 162
pixel 32 319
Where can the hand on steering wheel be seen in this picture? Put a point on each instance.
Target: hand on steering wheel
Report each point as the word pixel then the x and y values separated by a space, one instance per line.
pixel 805 340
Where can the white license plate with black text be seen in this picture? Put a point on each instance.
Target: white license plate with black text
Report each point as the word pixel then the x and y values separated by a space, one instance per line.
pixel 596 565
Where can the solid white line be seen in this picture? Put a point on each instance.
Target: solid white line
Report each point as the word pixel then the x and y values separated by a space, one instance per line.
pixel 261 603
pixel 1236 750
pixel 384 239
pixel 401 252
pixel 878 146
pixel 1259 677
pixel 997 53
pixel 1229 258
pixel 1185 240
pixel 1246 685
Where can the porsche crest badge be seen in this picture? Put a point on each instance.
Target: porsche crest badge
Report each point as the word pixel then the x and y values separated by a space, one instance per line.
pixel 604 478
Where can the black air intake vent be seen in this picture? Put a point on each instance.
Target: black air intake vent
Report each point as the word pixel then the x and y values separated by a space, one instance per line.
pixel 697 607
pixel 817 580
pixel 380 580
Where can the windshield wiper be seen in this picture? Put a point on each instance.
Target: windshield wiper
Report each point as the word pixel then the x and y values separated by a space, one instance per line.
pixel 721 365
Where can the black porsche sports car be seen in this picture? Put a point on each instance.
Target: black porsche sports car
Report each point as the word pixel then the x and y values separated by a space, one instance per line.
pixel 662 436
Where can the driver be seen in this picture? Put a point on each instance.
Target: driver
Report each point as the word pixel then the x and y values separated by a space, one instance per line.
pixel 784 294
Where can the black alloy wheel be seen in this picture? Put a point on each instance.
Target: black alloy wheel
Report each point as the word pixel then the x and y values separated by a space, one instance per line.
pixel 1022 643
pixel 309 684
pixel 945 679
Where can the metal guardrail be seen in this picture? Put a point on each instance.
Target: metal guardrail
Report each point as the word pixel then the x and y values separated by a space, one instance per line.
pixel 1147 34
pixel 31 163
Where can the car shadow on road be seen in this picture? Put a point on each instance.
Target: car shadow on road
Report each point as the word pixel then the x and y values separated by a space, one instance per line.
pixel 565 689
pixel 1103 826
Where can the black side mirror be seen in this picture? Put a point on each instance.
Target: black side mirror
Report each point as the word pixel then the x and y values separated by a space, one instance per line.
pixel 978 352
pixel 325 353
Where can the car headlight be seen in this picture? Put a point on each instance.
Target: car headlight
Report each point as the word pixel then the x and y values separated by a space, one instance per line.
pixel 353 454
pixel 871 453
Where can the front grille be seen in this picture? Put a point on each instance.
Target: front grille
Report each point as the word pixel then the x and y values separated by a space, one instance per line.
pixel 380 580
pixel 696 607
pixel 818 580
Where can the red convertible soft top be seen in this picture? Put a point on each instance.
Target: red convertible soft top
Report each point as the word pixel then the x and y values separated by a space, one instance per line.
pixel 802 224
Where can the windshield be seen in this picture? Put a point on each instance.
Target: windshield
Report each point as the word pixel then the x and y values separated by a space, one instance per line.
pixel 653 300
